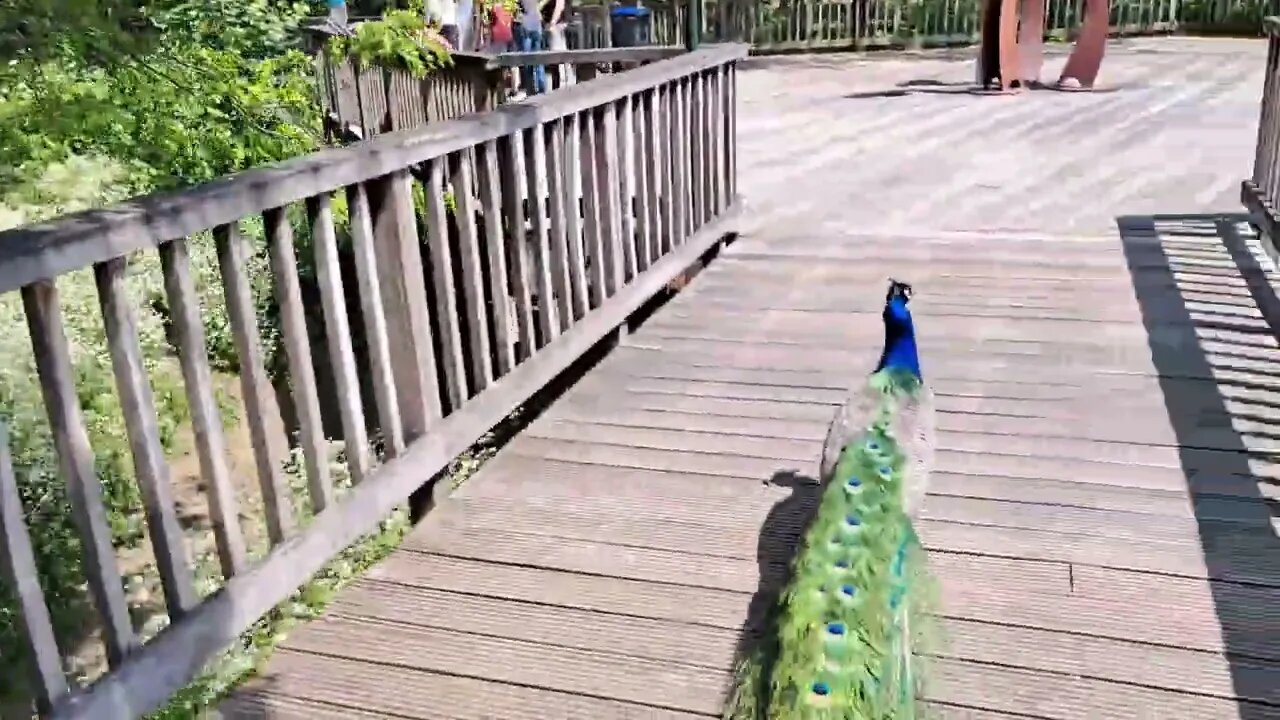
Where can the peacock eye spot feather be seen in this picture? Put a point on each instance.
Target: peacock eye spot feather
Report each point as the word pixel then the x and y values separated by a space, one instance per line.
pixel 842 564
pixel 885 471
pixel 848 590
pixel 853 482
pixel 835 628
pixel 853 520
pixel 821 688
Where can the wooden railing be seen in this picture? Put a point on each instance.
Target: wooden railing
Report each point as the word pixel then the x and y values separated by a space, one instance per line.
pixel 570 210
pixel 785 25
pixel 364 102
pixel 1261 193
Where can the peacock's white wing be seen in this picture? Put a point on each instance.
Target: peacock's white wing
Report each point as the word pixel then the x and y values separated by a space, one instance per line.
pixel 915 425
pixel 850 420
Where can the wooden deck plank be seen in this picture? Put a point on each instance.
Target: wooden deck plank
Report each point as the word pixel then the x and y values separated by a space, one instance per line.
pixel 1101 515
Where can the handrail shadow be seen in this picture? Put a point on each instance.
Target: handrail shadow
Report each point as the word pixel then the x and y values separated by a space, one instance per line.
pixel 1202 357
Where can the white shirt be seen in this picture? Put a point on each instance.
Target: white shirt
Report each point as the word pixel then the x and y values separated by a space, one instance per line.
pixel 530 19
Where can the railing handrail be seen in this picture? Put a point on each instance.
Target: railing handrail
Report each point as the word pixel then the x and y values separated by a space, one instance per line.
pixel 79 240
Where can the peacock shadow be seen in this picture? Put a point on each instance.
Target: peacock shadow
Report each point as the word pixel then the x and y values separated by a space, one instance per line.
pixel 776 546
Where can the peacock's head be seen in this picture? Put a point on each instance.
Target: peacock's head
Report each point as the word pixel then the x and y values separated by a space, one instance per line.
pixel 899 330
pixel 896 314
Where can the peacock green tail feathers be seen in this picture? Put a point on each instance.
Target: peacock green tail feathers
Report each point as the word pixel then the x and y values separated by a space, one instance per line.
pixel 849 629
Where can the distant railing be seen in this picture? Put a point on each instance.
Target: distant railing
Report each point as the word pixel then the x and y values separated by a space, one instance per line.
pixel 1261 193
pixel 782 25
pixel 362 102
pixel 537 230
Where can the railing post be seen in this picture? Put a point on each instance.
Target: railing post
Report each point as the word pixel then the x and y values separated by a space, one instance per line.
pixel 693 25
pixel 404 294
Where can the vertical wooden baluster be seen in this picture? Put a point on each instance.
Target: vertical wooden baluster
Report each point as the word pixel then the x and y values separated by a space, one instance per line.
pixel 206 420
pixel 495 247
pixel 715 130
pixel 404 298
pixel 437 222
pixel 641 158
pixel 572 208
pixel 691 149
pixel 76 463
pixel 536 164
pixel 679 161
pixel 731 132
pixel 472 273
pixel 18 563
pixel 259 402
pixel 375 320
pixel 560 186
pixel 297 346
pixel 342 358
pixel 610 214
pixel 593 235
pixel 663 162
pixel 626 188
pixel 514 189
pixel 697 149
pixel 138 406
pixel 652 191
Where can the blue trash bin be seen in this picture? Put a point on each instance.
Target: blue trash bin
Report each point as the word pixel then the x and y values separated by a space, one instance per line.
pixel 630 25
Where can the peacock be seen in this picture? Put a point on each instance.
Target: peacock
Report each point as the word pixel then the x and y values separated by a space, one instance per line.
pixel 846 637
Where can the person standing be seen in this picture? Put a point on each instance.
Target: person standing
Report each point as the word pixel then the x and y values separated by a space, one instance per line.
pixel 535 17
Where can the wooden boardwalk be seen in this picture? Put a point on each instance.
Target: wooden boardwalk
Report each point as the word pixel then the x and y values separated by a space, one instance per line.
pixel 1102 510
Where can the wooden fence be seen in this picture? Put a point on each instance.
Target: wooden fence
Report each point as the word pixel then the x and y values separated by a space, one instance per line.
pixel 782 25
pixel 363 102
pixel 360 102
pixel 1261 193
pixel 568 212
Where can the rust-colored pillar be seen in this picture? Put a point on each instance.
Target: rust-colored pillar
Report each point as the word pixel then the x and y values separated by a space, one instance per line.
pixel 1082 67
pixel 1012 50
pixel 998 54
pixel 1031 41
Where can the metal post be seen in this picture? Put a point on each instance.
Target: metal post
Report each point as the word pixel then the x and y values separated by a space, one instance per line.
pixel 693 26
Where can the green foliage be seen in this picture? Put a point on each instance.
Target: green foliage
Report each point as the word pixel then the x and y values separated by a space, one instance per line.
pixel 147 113
pixel 402 38
pixel 95 30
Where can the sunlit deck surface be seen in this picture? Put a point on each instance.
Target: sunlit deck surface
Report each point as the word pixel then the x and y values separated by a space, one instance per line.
pixel 1098 328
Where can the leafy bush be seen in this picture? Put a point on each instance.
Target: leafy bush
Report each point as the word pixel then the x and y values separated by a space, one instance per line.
pixel 402 38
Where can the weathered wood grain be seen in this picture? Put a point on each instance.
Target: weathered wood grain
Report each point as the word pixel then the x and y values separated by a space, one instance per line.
pixel 18 562
pixel 75 464
pixel 150 467
pixel 206 420
pixel 261 413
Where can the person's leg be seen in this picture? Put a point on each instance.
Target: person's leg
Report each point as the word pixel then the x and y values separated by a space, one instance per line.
pixel 524 43
pixel 540 71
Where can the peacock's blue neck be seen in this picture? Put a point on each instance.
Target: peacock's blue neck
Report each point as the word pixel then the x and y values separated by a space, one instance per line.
pixel 900 351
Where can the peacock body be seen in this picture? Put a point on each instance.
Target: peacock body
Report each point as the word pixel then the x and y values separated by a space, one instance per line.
pixel 844 640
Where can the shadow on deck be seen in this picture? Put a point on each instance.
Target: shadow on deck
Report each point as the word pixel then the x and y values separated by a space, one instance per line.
pixel 1211 315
